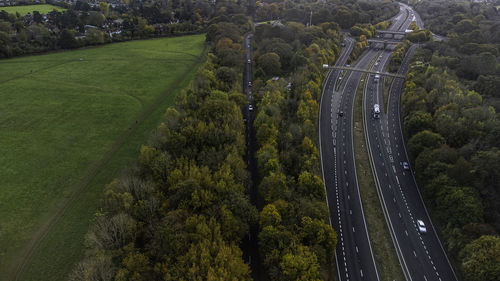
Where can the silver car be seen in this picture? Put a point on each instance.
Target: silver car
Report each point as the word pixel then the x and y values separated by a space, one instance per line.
pixel 406 166
pixel 421 226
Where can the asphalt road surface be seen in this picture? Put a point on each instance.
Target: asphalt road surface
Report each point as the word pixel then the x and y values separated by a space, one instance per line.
pixel 354 254
pixel 250 245
pixel 421 254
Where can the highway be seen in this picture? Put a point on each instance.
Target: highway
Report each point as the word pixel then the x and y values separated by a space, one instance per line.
pixel 421 255
pixel 354 256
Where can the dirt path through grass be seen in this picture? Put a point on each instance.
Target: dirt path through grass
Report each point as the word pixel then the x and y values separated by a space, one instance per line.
pixel 20 261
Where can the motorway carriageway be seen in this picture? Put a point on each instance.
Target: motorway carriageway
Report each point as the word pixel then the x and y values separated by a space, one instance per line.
pixel 354 255
pixel 421 255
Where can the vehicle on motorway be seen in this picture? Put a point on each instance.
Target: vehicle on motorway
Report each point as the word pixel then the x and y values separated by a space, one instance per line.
pixel 377 78
pixel 250 107
pixel 421 226
pixel 376 111
pixel 341 113
pixel 406 166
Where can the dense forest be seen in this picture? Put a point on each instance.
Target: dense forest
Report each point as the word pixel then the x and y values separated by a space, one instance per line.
pixel 451 123
pixel 345 13
pixel 181 212
pixel 294 221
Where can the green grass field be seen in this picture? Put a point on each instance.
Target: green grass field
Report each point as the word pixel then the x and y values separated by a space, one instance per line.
pixel 23 10
pixel 69 123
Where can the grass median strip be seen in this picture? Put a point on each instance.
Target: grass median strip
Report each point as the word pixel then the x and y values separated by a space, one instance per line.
pixel 387 88
pixel 383 248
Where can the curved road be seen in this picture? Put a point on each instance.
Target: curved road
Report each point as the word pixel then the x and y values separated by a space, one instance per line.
pixel 354 254
pixel 421 255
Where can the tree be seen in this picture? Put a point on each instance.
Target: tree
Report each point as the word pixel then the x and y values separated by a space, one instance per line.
pixel 310 185
pixel 273 187
pixel 423 140
pixel 269 216
pixel 135 266
pixel 226 76
pixel 417 121
pixel 99 267
pixel 211 258
pixel 320 237
pixel 300 264
pixel 270 63
pixel 459 205
pixel 37 17
pixel 481 259
pixel 104 8
pixel 67 39
pixel 94 36
pixel 96 18
pixel 112 233
pixel 487 174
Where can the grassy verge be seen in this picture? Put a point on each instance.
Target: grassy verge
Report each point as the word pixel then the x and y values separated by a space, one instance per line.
pixel 73 120
pixel 387 88
pixel 383 248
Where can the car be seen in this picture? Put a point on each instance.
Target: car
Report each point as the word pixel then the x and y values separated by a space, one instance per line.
pixel 249 61
pixel 341 113
pixel 406 166
pixel 250 107
pixel 249 84
pixel 421 226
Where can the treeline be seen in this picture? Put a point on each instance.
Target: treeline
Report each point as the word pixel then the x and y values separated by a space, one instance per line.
pixel 345 13
pixel 449 108
pixel 397 56
pixel 453 140
pixel 84 25
pixel 181 212
pixel 296 241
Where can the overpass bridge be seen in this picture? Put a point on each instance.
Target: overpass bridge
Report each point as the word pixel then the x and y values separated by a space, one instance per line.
pixel 386 42
pixel 392 33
